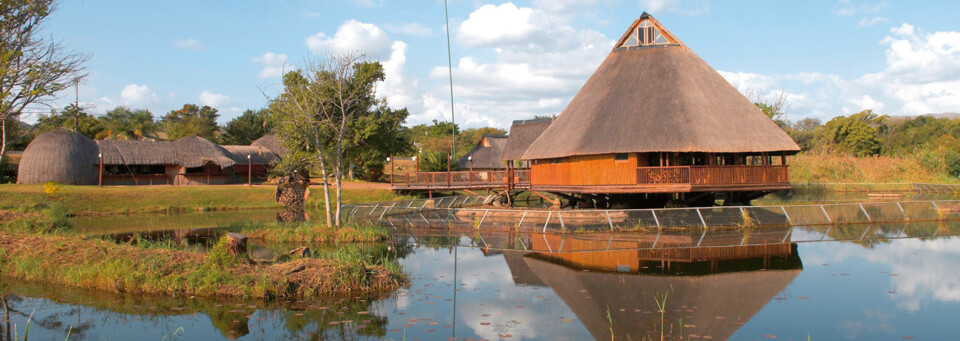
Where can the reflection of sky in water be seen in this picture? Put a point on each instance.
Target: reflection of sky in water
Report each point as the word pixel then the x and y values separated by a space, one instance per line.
pixel 906 287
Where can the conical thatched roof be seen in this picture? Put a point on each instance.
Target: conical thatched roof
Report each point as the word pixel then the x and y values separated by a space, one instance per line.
pixel 522 135
pixel 60 155
pixel 657 95
pixel 271 142
pixel 258 155
pixel 486 155
pixel 195 151
pixel 133 152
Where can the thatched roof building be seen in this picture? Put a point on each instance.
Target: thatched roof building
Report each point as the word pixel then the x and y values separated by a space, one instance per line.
pixel 270 142
pixel 59 155
pixel 654 94
pixel 522 135
pixel 486 154
pixel 258 155
pixel 195 151
pixel 71 158
pixel 116 152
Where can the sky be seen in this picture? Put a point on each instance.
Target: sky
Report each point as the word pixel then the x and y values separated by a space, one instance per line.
pixel 511 59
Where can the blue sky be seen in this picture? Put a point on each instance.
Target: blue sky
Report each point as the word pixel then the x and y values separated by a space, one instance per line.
pixel 512 60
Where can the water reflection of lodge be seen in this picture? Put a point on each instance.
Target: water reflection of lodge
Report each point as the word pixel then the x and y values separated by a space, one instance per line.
pixel 711 291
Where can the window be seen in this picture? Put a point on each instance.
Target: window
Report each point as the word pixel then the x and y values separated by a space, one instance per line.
pixel 195 170
pixel 645 34
pixel 621 157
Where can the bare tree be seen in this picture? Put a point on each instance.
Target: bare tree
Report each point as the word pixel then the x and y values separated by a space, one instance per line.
pixel 32 69
pixel 320 100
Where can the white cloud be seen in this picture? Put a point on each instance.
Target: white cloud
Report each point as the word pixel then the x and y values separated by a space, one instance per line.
pixel 847 8
pixel 690 8
pixel 492 25
pixel 191 44
pixel 133 94
pixel 413 29
pixel 866 22
pixel 273 64
pixel 922 75
pixel 213 100
pixel 353 36
pixel 367 3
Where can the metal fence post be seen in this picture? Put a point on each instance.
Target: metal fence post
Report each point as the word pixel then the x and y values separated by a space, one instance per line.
pixel 701 218
pixel 482 218
pixel 865 213
pixel 824 210
pixel 549 214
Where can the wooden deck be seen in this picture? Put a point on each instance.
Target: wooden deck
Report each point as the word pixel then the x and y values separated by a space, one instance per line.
pixel 648 180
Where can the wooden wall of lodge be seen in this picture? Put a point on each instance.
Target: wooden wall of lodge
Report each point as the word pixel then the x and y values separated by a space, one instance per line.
pixel 176 175
pixel 595 170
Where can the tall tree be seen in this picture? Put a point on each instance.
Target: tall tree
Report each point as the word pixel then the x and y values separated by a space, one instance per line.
pixel 191 120
pixel 322 100
pixel 123 123
pixel 247 127
pixel 32 68
pixel 857 134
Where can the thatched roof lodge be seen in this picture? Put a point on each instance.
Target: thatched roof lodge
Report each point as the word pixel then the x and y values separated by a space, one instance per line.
pixel 522 135
pixel 71 158
pixel 486 154
pixel 656 118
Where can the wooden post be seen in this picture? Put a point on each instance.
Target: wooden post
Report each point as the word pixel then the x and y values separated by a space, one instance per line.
pixel 390 159
pixel 417 161
pixel 783 158
pixel 249 172
pixel 449 176
pixel 236 243
pixel 100 176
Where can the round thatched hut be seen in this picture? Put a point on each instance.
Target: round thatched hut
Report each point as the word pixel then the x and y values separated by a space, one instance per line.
pixel 60 155
pixel 271 142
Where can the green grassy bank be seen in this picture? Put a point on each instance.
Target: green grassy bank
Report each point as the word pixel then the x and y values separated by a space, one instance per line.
pixel 92 200
pixel 163 268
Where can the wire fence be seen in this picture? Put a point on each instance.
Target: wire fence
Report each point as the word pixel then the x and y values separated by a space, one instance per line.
pixel 454 212
pixel 877 187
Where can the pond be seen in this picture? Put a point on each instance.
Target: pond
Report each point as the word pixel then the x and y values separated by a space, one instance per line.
pixel 889 281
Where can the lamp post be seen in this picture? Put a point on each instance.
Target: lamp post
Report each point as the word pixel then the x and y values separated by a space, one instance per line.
pixel 470 159
pixel 470 173
pixel 249 171
pixel 390 161
pixel 416 164
pixel 449 176
pixel 100 175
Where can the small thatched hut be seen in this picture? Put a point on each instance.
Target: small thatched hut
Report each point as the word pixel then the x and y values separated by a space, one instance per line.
pixel 486 155
pixel 60 155
pixel 655 118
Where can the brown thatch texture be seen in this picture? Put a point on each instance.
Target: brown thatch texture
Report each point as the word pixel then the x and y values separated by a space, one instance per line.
pixel 258 155
pixel 194 151
pixel 137 152
pixel 271 142
pixel 522 135
pixel 486 157
pixel 658 99
pixel 720 303
pixel 59 155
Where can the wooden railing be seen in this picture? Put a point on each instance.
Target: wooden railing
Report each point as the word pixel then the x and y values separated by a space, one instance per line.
pixel 663 175
pixel 713 175
pixel 462 179
pixel 733 175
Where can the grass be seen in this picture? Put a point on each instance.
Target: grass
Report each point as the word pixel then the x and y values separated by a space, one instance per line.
pixel 97 264
pixel 311 232
pixel 92 200
pixel 829 168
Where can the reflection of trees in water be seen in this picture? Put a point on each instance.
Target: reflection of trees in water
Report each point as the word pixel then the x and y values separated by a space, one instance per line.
pixel 871 235
pixel 303 319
